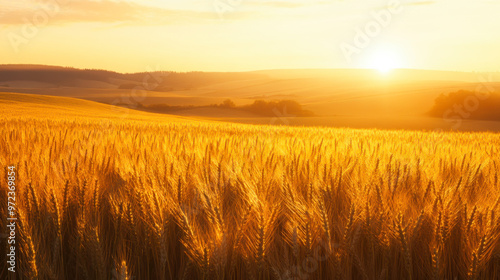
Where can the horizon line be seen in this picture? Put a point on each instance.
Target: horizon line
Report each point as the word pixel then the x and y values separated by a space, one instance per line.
pixel 237 71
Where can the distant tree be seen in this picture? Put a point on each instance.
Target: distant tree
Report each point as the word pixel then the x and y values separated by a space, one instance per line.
pixel 228 103
pixel 273 108
pixel 465 104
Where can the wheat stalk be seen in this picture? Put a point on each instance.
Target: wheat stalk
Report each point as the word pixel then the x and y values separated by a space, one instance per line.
pixel 403 238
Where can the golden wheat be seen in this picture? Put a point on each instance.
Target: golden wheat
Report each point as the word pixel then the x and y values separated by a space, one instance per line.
pixel 193 200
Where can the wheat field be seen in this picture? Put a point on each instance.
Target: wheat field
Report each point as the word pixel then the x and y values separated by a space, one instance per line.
pixel 203 200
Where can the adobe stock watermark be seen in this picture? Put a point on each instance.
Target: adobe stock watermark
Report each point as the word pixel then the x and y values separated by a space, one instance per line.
pixel 12 218
pixel 364 36
pixel 44 12
pixel 310 264
pixel 281 116
pixel 471 103
pixel 224 6
pixel 150 82
pixel 456 114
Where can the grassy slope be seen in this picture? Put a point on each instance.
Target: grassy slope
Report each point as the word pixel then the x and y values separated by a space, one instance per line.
pixel 19 105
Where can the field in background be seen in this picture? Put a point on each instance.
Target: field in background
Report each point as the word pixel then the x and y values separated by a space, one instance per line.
pixel 103 195
pixel 358 98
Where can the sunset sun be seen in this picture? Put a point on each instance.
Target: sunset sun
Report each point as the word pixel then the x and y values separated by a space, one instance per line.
pixel 385 61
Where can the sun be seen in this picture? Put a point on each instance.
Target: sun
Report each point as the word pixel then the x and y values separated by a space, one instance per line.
pixel 384 61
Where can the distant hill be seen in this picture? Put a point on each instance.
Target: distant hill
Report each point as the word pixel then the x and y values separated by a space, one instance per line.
pixel 57 76
pixel 170 80
pixel 325 92
pixel 72 77
pixel 409 75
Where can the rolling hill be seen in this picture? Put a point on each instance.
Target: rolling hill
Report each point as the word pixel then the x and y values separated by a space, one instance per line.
pixel 34 106
pixel 339 97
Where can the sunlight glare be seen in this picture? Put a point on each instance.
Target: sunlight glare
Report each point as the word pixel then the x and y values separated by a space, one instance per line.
pixel 384 61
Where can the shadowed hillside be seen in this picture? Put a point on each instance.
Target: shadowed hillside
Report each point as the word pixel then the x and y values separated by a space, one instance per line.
pixel 160 80
pixel 59 76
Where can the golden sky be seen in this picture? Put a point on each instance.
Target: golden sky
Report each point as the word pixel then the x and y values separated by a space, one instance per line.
pixel 237 35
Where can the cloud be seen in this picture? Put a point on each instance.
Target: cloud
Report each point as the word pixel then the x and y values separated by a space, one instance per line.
pixel 420 3
pixel 106 11
pixel 278 4
pixel 414 3
pixel 288 4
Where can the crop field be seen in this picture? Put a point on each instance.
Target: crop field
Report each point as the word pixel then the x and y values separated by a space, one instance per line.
pixel 108 198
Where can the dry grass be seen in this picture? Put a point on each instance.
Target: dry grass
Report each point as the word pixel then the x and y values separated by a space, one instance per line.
pixel 144 200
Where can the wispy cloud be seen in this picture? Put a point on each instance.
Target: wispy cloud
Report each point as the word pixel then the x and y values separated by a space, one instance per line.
pixel 288 4
pixel 420 3
pixel 78 11
pixel 414 3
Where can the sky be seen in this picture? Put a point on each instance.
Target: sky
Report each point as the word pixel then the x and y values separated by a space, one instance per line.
pixel 241 35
